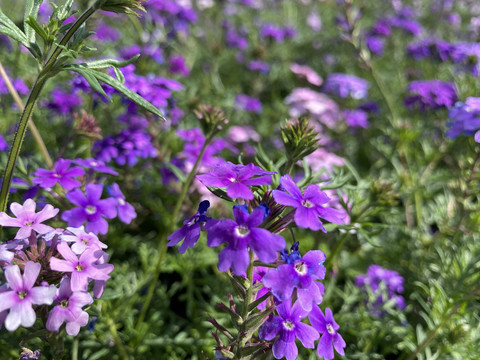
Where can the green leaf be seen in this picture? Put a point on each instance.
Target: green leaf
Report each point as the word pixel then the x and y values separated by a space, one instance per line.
pixel 92 81
pixel 64 11
pixel 31 12
pixel 106 63
pixel 37 28
pixel 9 28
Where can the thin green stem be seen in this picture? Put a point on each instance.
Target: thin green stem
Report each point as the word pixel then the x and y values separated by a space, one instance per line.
pixel 330 260
pixel 75 349
pixel 162 245
pixel 113 330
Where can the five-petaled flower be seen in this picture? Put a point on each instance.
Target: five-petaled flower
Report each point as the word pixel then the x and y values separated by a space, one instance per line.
pixel 326 325
pixel 61 174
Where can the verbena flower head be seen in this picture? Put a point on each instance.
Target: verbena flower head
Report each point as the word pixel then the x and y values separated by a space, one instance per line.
pixel 22 294
pixel 299 273
pixel 346 85
pixel 82 240
pixel 326 325
pixel 61 174
pixel 248 103
pixel 288 327
pixel 240 235
pixel 431 94
pixel 308 206
pixel 27 220
pixel 126 212
pixel 356 118
pixel 236 179
pixel 90 208
pixel 465 118
pixel 190 231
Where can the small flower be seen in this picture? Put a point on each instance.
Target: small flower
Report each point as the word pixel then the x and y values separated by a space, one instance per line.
pixel 82 269
pixel 326 325
pixel 190 231
pixel 241 234
pixel 306 72
pixel 346 85
pixel 431 94
pixel 27 220
pixel 90 209
pixel 61 174
pixel 465 118
pixel 299 273
pixel 248 103
pixel 96 165
pixel 82 240
pixel 289 326
pixel 23 295
pixel 308 206
pixel 236 179
pixel 126 212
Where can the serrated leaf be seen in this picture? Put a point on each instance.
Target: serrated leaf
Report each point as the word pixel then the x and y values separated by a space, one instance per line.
pixel 64 11
pixel 31 12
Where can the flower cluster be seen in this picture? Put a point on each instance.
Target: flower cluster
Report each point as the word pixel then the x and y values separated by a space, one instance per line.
pixel 57 267
pixel 431 94
pixel 465 118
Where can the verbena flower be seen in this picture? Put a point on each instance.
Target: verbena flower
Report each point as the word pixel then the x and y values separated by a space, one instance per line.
pixel 126 212
pixel 96 165
pixel 240 235
pixel 68 309
pixel 82 240
pixel 177 65
pixel 308 206
pixel 236 179
pixel 91 209
pixel 356 118
pixel 288 327
pixel 190 231
pixel 22 295
pixel 346 85
pixel 306 72
pixel 61 174
pixel 27 220
pixel 465 118
pixel 326 325
pixel 299 273
pixel 248 103
pixel 431 94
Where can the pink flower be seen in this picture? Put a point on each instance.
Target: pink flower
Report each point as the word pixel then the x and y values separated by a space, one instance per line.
pixel 27 220
pixel 307 73
pixel 23 295
pixel 83 240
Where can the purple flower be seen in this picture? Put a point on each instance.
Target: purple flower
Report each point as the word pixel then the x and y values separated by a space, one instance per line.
pixel 465 118
pixel 356 118
pixel 82 269
pixel 236 179
pixel 96 165
pixel 306 72
pixel 308 206
pixel 68 309
pixel 289 327
pixel 258 65
pixel 27 220
pixel 23 295
pixel 241 234
pixel 326 325
pixel 299 273
pixel 178 65
pixel 126 212
pixel 190 231
pixel 3 144
pixel 90 209
pixel 248 103
pixel 433 94
pixel 64 102
pixel 82 240
pixel 346 85
pixel 61 174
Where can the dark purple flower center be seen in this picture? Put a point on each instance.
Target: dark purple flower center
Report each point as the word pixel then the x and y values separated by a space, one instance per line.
pixel 64 303
pixel 242 231
pixel 301 268
pixel 79 267
pixel 22 294
pixel 90 209
pixel 287 324
pixel 307 204
pixel 330 329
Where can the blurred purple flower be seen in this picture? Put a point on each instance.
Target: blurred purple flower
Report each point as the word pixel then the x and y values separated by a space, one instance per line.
pixel 465 119
pixel 61 174
pixel 126 212
pixel 64 102
pixel 356 118
pixel 431 94
pixel 258 65
pixel 303 71
pixel 326 325
pixel 96 165
pixel 177 65
pixel 346 85
pixel 248 103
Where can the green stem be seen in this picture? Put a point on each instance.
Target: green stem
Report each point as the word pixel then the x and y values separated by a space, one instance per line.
pixel 246 305
pixel 75 349
pixel 118 341
pixel 162 245
pixel 335 251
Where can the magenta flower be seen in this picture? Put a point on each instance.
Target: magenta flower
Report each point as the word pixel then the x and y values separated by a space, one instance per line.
pixel 68 309
pixel 326 325
pixel 243 233
pixel 23 295
pixel 301 274
pixel 27 220
pixel 82 269
pixel 126 212
pixel 309 206
pixel 61 174
pixel 289 326
pixel 96 165
pixel 82 240
pixel 236 179
pixel 90 209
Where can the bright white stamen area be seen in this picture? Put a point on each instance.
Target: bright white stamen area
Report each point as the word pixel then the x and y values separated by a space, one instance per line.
pixel 241 231
pixel 232 179
pixel 93 163
pixel 90 209
pixel 287 324
pixel 307 204
pixel 121 201
pixel 301 268
pixel 330 329
pixel 22 294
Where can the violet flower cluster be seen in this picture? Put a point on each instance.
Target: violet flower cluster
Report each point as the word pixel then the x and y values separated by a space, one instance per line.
pixel 48 271
pixel 290 286
pixel 465 119
pixel 431 94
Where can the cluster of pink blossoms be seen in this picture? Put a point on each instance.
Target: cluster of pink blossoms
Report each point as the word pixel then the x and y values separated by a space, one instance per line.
pixel 49 268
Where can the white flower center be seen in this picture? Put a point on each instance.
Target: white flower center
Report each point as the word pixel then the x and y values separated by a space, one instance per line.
pixel 287 324
pixel 93 163
pixel 90 209
pixel 330 329
pixel 64 303
pixel 121 202
pixel 22 294
pixel 242 231
pixel 232 179
pixel 301 268
pixel 307 204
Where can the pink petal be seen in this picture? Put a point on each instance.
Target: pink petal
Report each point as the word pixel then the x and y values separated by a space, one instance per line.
pixel 61 265
pixel 8 299
pixel 30 274
pixel 42 295
pixel 46 213
pixel 67 253
pixel 14 279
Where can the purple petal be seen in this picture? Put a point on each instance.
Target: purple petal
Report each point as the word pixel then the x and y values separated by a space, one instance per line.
pixel 13 277
pixel 265 244
pixel 238 190
pixel 292 188
pixel 42 295
pixel 8 299
pixel 332 215
pixel 93 192
pixel 283 198
pixel 260 180
pixel 67 253
pixel 30 274
pixel 73 327
pixel 325 347
pixel 56 318
pixel 61 265
pixel 281 281
pixel 74 217
pixel 97 227
pixel 79 281
pixel 177 236
pixel 315 195
pixel 213 180
pixel 191 238
pixel 308 218
pixel 77 197
pixel 256 217
pixel 287 349
pixel 306 334
pixel 237 259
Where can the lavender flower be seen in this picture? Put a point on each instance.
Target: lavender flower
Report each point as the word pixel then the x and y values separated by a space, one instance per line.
pixel 61 174
pixel 178 66
pixel 356 118
pixel 326 325
pixel 82 240
pixel 346 85
pixel 243 233
pixel 190 231
pixel 247 103
pixel 465 119
pixel 236 179
pixel 64 102
pixel 433 94
pixel 289 327
pixel 126 212
pixel 96 165
pixel 308 206
pixel 90 209
pixel 23 295
pixel 299 273
pixel 303 71
pixel 27 220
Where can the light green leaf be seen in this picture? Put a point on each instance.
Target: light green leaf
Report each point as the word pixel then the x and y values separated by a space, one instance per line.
pixel 106 63
pixel 31 11
pixel 33 24
pixel 9 28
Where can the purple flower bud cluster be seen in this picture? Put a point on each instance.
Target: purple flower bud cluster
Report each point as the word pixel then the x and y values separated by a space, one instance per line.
pixel 465 119
pixel 290 284
pixel 384 284
pixel 175 17
pixel 431 94
pixel 277 33
pixel 48 271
